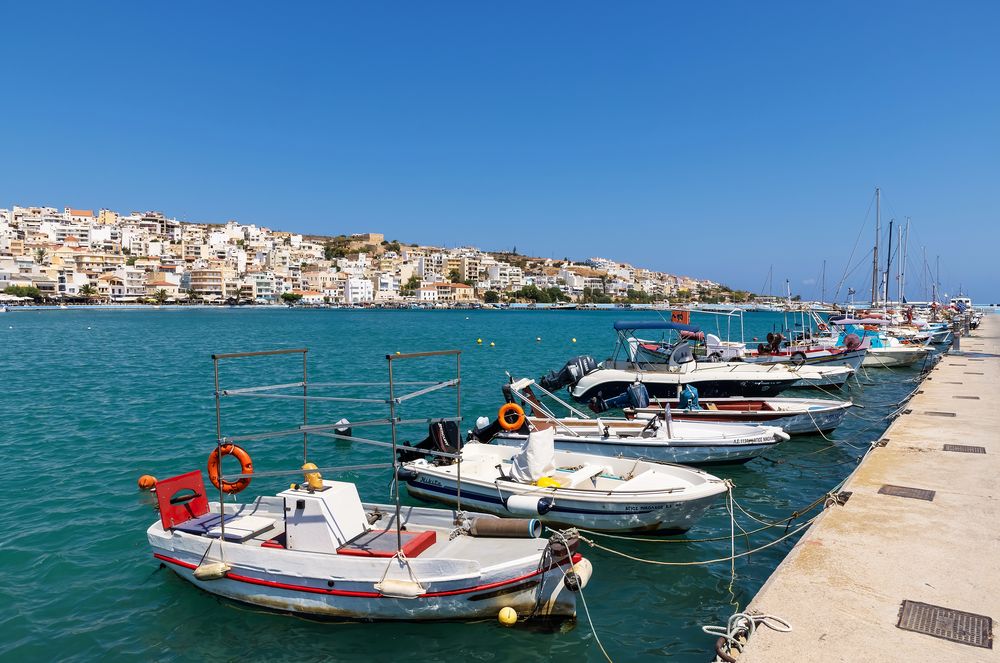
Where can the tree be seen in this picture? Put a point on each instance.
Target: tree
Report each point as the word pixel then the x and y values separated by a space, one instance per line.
pixel 24 291
pixel 131 260
pixel 411 285
pixel 87 291
pixel 160 296
pixel 192 294
pixel 290 297
pixel 592 296
pixel 40 255
pixel 455 276
pixel 491 296
pixel 333 250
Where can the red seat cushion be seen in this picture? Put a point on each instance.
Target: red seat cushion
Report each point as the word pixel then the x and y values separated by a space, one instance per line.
pixel 382 543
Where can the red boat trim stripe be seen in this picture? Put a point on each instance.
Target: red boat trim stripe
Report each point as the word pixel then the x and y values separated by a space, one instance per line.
pixel 368 595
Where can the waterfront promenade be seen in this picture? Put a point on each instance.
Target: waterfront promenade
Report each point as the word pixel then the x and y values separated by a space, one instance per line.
pixel 843 585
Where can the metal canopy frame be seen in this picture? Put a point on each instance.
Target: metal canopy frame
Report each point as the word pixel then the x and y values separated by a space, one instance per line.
pixel 331 430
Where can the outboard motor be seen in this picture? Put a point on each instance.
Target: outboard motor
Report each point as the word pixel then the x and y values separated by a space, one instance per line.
pixel 689 398
pixel 485 434
pixel 570 374
pixel 441 436
pixel 636 396
pixel 681 354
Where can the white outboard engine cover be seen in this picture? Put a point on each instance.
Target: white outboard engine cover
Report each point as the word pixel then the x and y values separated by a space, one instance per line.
pixel 535 458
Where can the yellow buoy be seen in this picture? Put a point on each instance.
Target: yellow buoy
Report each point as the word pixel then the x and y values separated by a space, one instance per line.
pixel 538 339
pixel 492 344
pixel 398 352
pixel 574 339
pixel 147 482
pixel 479 341
pixel 507 616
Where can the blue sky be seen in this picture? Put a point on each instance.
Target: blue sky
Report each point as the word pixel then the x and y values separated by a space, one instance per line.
pixel 710 139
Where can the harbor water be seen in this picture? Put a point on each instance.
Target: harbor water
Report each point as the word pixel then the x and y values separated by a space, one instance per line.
pixel 91 399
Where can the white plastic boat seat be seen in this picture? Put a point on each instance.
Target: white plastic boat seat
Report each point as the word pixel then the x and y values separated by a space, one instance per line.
pixel 648 480
pixel 202 524
pixel 586 473
pixel 243 528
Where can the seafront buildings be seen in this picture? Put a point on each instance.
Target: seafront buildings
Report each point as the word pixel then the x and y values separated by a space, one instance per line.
pixel 79 254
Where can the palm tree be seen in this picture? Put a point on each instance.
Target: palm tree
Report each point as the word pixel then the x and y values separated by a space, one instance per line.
pixel 160 296
pixel 40 255
pixel 87 291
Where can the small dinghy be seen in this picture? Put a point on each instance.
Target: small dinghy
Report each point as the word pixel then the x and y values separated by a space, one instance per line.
pixel 567 488
pixel 656 439
pixel 795 416
pixel 316 549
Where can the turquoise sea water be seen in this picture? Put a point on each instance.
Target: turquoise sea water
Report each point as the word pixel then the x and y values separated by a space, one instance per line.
pixel 89 400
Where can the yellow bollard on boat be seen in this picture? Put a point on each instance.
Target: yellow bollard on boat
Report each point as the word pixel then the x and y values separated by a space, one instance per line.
pixel 314 479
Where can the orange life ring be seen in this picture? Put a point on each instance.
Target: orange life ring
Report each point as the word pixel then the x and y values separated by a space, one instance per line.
pixel 507 409
pixel 246 467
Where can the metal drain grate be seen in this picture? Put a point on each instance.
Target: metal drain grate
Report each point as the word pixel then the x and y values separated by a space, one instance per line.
pixel 965 449
pixel 934 413
pixel 906 491
pixel 970 398
pixel 964 627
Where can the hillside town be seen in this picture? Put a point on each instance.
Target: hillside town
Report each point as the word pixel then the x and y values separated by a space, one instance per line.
pixel 79 256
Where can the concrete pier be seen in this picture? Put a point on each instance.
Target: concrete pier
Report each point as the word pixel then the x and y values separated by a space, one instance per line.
pixel 843 585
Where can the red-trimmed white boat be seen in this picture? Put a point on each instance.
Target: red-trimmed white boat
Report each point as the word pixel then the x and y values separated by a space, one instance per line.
pixel 324 553
pixel 316 549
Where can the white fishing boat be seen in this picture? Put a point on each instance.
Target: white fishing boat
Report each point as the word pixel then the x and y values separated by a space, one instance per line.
pixel 793 415
pixel 884 351
pixel 665 377
pixel 665 441
pixel 316 549
pixel 567 488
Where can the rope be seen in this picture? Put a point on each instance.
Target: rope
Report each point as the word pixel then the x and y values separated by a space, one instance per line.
pixel 743 625
pixel 594 544
pixel 583 600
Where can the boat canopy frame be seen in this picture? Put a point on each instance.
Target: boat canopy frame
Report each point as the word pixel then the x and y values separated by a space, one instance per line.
pixel 332 430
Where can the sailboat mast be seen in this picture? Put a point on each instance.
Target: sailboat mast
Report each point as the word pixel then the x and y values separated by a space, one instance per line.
pixel 822 280
pixel 937 280
pixel 888 262
pixel 902 268
pixel 878 230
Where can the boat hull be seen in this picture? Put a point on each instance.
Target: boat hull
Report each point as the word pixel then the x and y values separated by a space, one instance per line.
pixel 682 452
pixel 813 419
pixel 892 358
pixel 634 515
pixel 341 586
pixel 662 384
